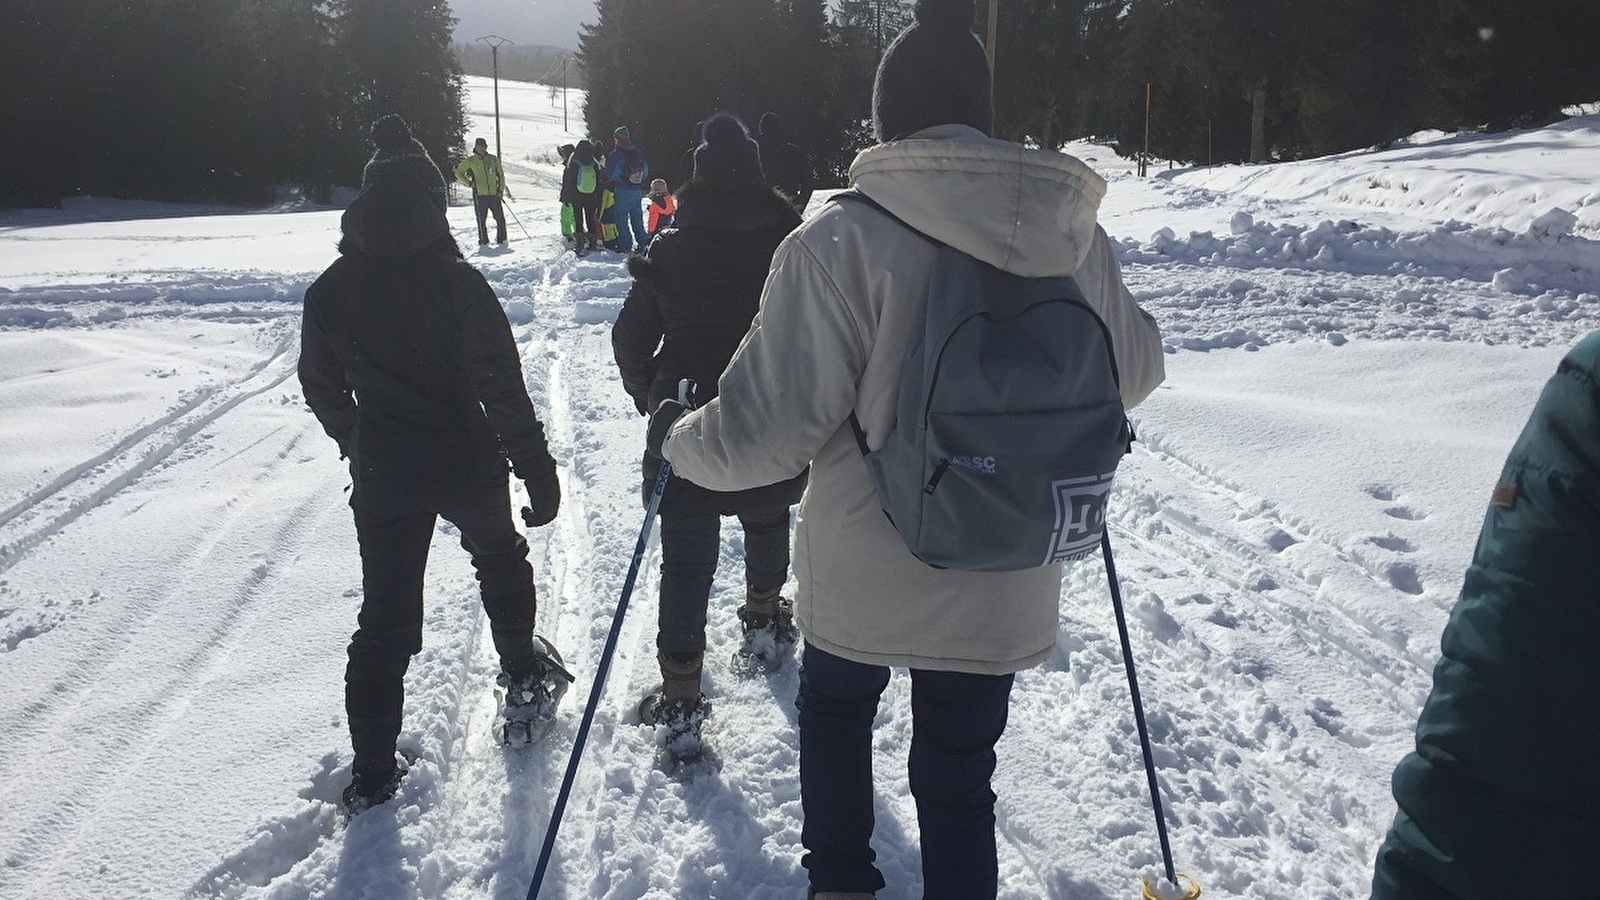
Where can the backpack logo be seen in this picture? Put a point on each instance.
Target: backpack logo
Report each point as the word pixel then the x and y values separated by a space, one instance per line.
pixel 1080 516
pixel 1022 368
pixel 981 465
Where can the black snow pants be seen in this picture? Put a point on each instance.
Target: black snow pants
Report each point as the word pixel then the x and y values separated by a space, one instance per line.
pixel 394 527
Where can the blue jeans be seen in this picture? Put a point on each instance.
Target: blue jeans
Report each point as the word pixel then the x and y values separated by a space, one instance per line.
pixel 956 721
pixel 630 219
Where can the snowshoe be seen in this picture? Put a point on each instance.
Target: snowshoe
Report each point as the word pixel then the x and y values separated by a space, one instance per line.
pixel 528 702
pixel 368 789
pixel 681 751
pixel 769 635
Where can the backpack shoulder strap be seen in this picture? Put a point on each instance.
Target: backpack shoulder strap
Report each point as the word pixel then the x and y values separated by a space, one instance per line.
pixel 854 195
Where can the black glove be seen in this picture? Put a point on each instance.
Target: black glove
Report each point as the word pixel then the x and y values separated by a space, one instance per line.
pixel 641 402
pixel 661 421
pixel 544 495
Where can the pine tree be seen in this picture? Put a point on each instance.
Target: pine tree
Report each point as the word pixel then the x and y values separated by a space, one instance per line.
pixel 803 75
pixel 396 57
pixel 1511 64
pixel 284 131
pixel 859 32
pixel 1052 68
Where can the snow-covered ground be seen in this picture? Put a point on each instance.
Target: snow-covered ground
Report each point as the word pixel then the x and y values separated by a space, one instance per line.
pixel 1354 344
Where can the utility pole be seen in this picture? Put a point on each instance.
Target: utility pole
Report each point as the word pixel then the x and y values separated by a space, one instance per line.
pixel 564 93
pixel 495 41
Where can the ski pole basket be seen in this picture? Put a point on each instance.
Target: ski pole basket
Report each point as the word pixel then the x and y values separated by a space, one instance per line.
pixel 1187 889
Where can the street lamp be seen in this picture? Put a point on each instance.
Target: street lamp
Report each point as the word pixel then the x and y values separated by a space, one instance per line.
pixel 495 41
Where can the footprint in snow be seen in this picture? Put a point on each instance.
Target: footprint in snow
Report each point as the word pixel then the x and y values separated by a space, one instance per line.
pixel 1393 542
pixel 1404 578
pixel 1380 492
pixel 1384 493
pixel 1280 541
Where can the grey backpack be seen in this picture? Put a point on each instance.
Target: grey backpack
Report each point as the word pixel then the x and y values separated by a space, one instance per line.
pixel 1009 423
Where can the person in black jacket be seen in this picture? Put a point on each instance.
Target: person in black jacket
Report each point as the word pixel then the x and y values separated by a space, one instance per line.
pixel 409 364
pixel 786 165
pixel 693 297
pixel 583 170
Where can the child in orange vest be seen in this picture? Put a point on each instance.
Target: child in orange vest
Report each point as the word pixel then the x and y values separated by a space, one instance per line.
pixel 658 214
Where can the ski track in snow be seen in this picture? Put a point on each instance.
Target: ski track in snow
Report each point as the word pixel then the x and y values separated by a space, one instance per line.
pixel 102 713
pixel 46 511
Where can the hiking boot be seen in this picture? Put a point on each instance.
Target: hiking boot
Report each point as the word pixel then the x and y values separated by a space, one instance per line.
pixel 769 631
pixel 371 785
pixel 677 715
pixel 680 677
pixel 531 690
pixel 680 748
pixel 678 703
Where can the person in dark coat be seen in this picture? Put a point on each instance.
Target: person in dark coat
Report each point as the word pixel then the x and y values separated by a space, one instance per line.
pixel 1501 797
pixel 583 170
pixel 693 297
pixel 569 221
pixel 409 364
pixel 786 165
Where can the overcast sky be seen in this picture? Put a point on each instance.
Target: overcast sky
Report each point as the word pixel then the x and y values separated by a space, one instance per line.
pixel 550 22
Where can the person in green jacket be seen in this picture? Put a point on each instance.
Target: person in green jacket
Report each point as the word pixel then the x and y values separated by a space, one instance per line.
pixel 1501 797
pixel 482 172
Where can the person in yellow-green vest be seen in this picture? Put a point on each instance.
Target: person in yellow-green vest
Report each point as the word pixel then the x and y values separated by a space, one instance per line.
pixel 481 171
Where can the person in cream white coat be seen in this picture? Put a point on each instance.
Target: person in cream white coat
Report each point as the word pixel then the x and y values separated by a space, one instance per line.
pixel 837 312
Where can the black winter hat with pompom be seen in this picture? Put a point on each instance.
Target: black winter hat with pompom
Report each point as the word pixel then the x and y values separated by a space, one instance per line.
pixel 727 154
pixel 934 73
pixel 401 160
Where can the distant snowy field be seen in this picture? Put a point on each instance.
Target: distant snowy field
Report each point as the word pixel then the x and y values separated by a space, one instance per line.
pixel 1353 344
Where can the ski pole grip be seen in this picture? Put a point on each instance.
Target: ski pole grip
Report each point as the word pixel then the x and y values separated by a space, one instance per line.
pixel 686 389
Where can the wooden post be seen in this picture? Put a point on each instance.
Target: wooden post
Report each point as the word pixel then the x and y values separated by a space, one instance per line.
pixel 1144 158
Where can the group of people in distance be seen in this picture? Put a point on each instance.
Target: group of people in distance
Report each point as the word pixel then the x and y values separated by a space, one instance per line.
pixel 601 193
pixel 790 330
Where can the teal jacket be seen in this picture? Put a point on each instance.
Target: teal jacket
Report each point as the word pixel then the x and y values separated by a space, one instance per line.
pixel 1501 799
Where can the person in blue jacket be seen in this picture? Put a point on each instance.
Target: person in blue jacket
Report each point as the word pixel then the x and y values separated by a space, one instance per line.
pixel 1501 797
pixel 627 176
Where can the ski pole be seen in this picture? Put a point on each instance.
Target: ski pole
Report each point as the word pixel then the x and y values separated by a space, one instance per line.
pixel 1138 718
pixel 685 393
pixel 514 218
